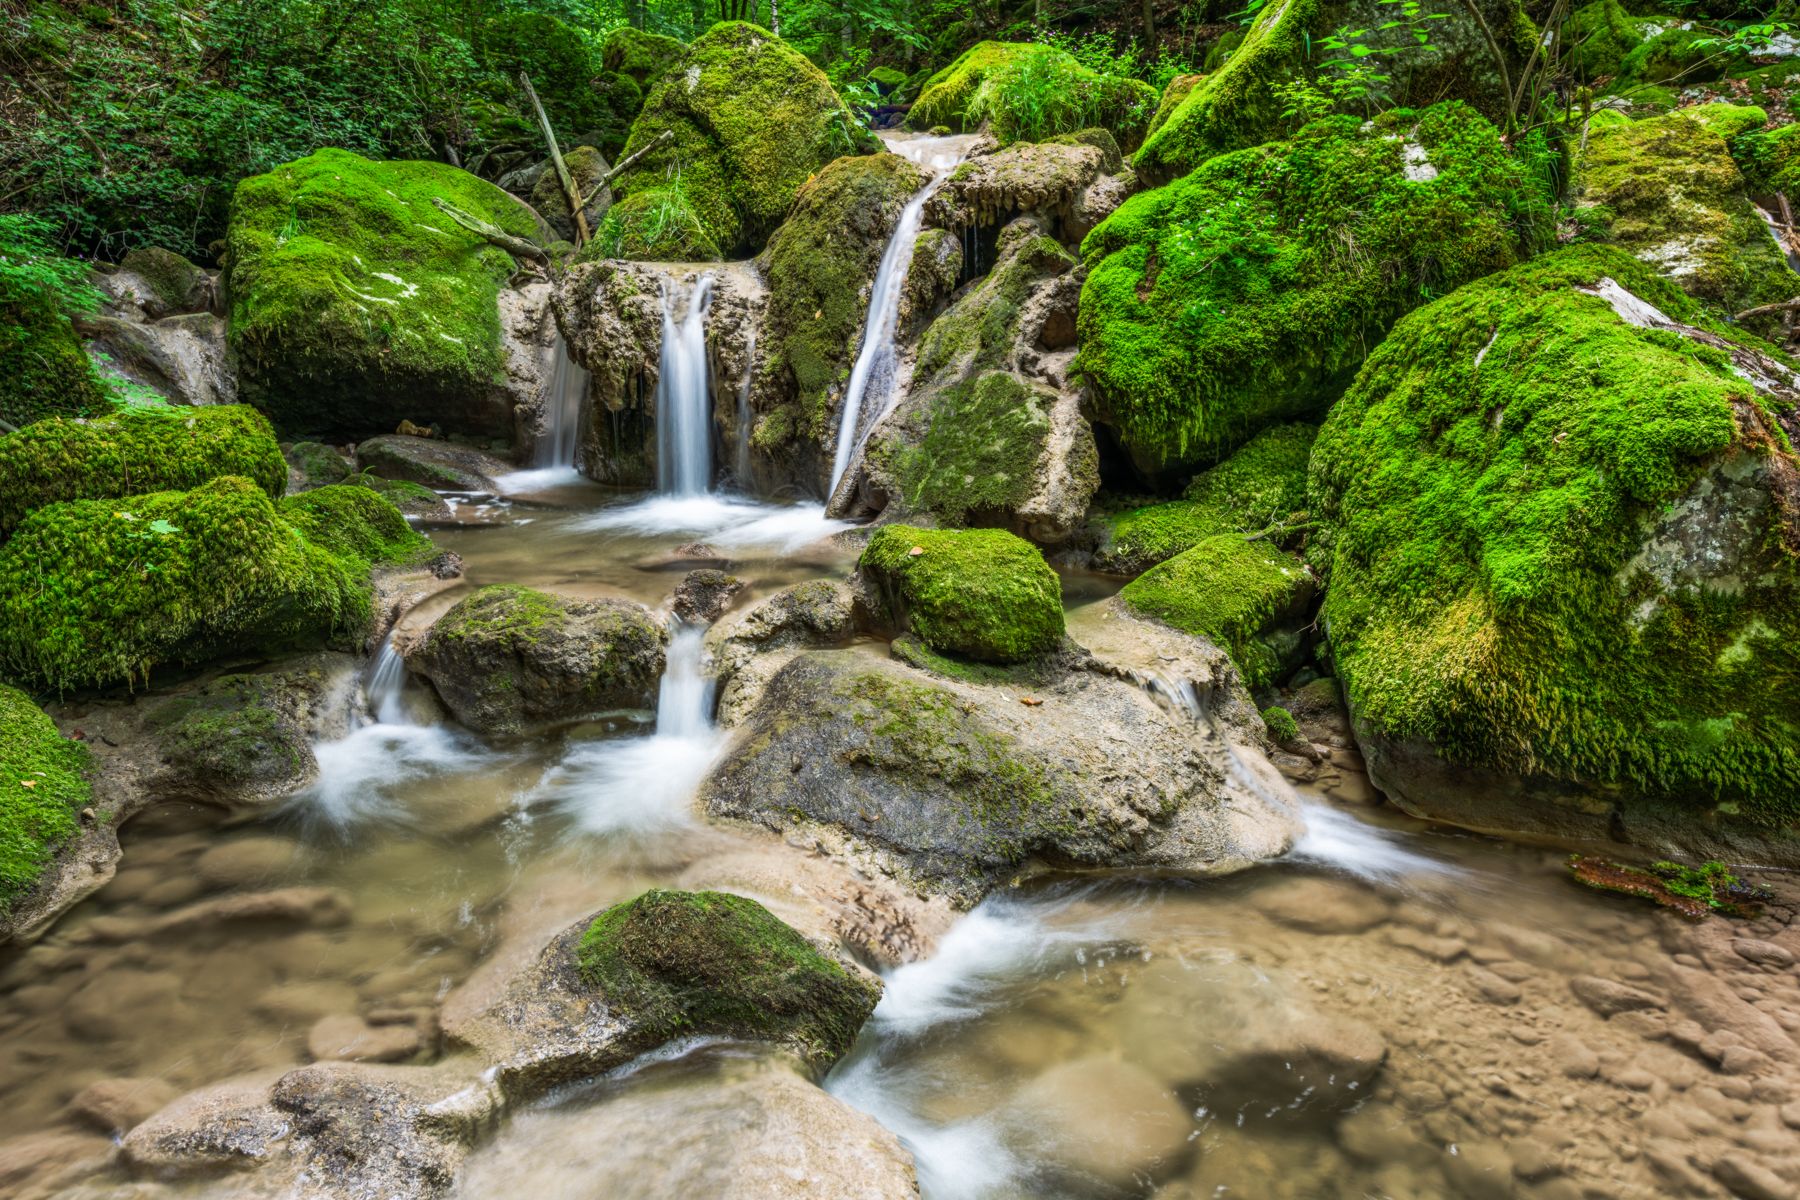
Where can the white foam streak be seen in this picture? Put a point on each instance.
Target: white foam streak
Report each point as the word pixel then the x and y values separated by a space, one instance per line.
pixel 727 522
pixel 1336 838
pixel 683 419
pixel 362 776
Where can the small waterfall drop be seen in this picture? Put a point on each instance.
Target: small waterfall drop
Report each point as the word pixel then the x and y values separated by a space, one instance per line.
pixel 683 416
pixel 872 377
pixel 684 698
pixel 385 685
pixel 563 400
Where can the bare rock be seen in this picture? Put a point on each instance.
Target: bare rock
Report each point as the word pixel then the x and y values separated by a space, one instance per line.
pixel 228 1126
pixel 703 596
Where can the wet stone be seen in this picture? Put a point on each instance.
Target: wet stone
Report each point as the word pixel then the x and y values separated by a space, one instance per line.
pixel 1608 997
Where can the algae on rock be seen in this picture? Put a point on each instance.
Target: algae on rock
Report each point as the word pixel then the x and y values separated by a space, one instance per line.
pixel 1225 302
pixel 356 303
pixel 1561 528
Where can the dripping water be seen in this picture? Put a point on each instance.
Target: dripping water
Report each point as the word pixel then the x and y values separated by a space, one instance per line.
pixel 683 419
pixel 562 408
pixel 871 384
pixel 385 684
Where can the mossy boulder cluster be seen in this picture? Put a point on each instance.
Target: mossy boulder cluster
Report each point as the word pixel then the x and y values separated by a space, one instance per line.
pixel 509 658
pixel 43 371
pixel 681 964
pixel 1224 303
pixel 750 121
pixel 982 594
pixel 1562 550
pixel 1030 92
pixel 356 303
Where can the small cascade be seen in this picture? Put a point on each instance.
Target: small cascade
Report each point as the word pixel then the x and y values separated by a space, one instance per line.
pixel 684 699
pixel 683 404
pixel 385 685
pixel 872 378
pixel 563 401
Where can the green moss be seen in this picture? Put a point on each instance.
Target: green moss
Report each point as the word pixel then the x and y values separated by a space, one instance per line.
pixel 1484 527
pixel 820 264
pixel 1675 56
pixel 684 963
pixel 752 120
pixel 147 449
pixel 1769 159
pixel 1037 92
pixel 316 464
pixel 43 777
pixel 1232 299
pixel 887 79
pixel 946 96
pixel 1231 591
pixel 556 57
pixel 980 451
pixel 1729 120
pixel 355 302
pixel 640 55
pixel 99 592
pixel 503 611
pixel 1599 36
pixel 43 370
pixel 1281 724
pixel 173 280
pixel 1261 486
pixel 1178 89
pixel 1666 189
pixel 980 593
pixel 412 499
pixel 357 523
pixel 231 736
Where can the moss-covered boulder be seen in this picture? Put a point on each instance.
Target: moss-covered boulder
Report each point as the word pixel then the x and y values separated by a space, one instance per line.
pixel 43 371
pixel 151 448
pixel 1667 190
pixel 979 593
pixel 654 224
pixel 314 464
pixel 431 462
pixel 682 964
pixel 559 59
pixel 1262 486
pixel 101 592
pixel 508 658
pixel 166 283
pixel 821 266
pixel 991 432
pixel 1225 302
pixel 638 54
pixel 948 781
pixel 945 97
pixel 752 120
pixel 1561 521
pixel 1239 103
pixel 43 777
pixel 1173 93
pixel 356 304
pixel 587 167
pixel 1246 596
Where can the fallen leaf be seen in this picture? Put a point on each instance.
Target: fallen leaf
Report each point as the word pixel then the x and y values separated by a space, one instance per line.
pixel 915 552
pixel 28 782
pixel 1030 701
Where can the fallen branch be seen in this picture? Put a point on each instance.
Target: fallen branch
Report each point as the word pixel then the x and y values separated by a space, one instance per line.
pixel 570 192
pixel 667 135
pixel 518 247
pixel 1763 310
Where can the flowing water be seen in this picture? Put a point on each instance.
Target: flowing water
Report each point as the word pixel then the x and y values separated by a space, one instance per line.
pixel 563 402
pixel 872 377
pixel 683 402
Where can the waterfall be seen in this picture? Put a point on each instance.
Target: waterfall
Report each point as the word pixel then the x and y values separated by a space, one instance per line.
pixel 385 685
pixel 683 406
pixel 684 699
pixel 872 377
pixel 741 464
pixel 562 408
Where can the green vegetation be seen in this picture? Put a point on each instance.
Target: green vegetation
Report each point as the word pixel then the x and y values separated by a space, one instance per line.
pixel 505 612
pixel 1666 189
pixel 1281 724
pixel 43 779
pixel 947 95
pixel 1232 591
pixel 136 450
pixel 43 370
pixel 355 302
pixel 101 592
pixel 821 263
pixel 684 963
pixel 1229 301
pixel 752 120
pixel 1489 494
pixel 1262 486
pixel 1694 892
pixel 980 593
pixel 981 450
pixel 1031 92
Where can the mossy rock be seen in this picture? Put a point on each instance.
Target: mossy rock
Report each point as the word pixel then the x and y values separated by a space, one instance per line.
pixel 1037 92
pixel 356 304
pixel 1177 90
pixel 176 285
pixel 508 658
pixel 1237 103
pixel 101 592
pixel 556 56
pixel 888 80
pixel 944 98
pixel 682 964
pixel 1769 159
pixel 43 370
pixel 821 264
pixel 621 99
pixel 141 449
pixel 1667 190
pixel 1564 566
pixel 979 593
pixel 587 167
pixel 408 498
pixel 1260 487
pixel 658 224
pixel 313 464
pixel 1235 592
pixel 979 456
pixel 1677 56
pixel 641 55
pixel 752 120
pixel 43 777
pixel 1224 303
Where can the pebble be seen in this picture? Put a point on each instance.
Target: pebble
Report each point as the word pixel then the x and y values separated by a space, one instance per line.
pixel 1492 987
pixel 1574 1057
pixel 245 861
pixel 1790 1114
pixel 1608 997
pixel 347 1037
pixel 1763 952
pixel 119 1105
pixel 1440 948
pixel 1750 1179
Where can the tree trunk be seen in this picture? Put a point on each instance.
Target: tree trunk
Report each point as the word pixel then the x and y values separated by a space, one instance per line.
pixel 1149 27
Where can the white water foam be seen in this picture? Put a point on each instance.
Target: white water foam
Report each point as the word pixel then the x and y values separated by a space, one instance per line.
pixel 1337 839
pixel 727 522
pixel 683 405
pixel 362 777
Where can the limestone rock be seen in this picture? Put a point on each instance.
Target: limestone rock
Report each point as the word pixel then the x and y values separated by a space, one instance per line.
pixel 703 596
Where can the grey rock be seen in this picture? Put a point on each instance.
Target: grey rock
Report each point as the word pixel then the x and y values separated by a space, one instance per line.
pixel 431 462
pixel 703 596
